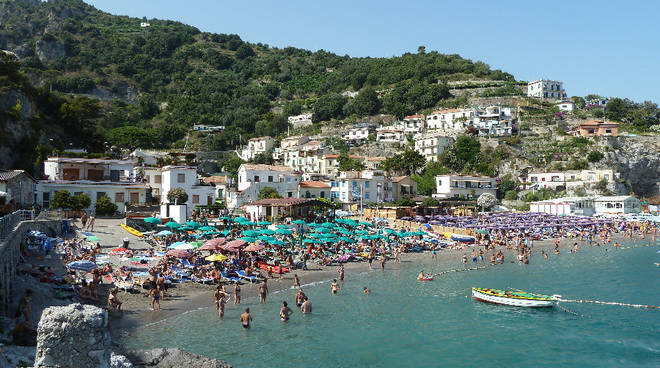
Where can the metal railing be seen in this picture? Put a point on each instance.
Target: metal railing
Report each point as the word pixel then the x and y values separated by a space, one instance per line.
pixel 9 222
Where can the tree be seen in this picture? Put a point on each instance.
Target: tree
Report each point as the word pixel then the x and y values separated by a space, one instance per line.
pixel 130 137
pixel 408 162
pixel 346 163
pixel 578 101
pixel 511 195
pixel 426 183
pixel 61 199
pixel 80 201
pixel 595 156
pixel 430 202
pixel 464 153
pixel 328 107
pixel 366 103
pixel 486 201
pixel 268 192
pixel 177 196
pixel 244 51
pixel 507 184
pixel 105 207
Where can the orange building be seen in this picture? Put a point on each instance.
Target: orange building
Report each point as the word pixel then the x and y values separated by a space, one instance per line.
pixel 593 128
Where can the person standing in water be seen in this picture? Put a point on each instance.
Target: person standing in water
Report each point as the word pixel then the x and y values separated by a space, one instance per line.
pixel 246 318
pixel 285 312
pixel 263 292
pixel 237 294
pixel 341 272
pixel 306 307
pixel 334 287
pixel 296 281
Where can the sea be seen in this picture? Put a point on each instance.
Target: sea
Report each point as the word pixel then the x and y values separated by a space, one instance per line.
pixel 407 323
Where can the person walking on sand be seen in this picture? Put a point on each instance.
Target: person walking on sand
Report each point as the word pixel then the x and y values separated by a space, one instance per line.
pixel 334 287
pixel 83 220
pixel 285 312
pixel 263 291
pixel 90 224
pixel 246 318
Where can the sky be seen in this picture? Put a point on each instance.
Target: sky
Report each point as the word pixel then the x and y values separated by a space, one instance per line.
pixel 601 47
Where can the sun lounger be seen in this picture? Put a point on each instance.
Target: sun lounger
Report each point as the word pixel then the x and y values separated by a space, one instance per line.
pixel 186 264
pixel 242 275
pixel 230 278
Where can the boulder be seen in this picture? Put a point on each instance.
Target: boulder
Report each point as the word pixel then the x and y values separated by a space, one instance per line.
pixel 172 358
pixel 73 336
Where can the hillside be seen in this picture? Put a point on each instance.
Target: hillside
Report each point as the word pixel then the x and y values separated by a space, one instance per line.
pixel 155 82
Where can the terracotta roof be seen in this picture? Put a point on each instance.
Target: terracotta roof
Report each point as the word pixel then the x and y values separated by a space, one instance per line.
pixel 416 116
pixel 262 167
pixel 218 179
pixel 313 184
pixel 599 122
pixel 399 178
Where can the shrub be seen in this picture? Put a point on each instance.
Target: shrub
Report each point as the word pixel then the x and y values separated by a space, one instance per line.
pixel 268 192
pixel 511 195
pixel 177 196
pixel 595 156
pixel 61 199
pixel 105 207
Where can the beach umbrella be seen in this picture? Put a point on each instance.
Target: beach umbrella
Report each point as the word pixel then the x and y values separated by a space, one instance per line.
pixel 254 248
pixel 311 241
pixel 322 230
pixel 178 253
pixel 329 225
pixel 283 227
pixel 277 242
pixel 173 225
pixel 247 223
pixel 347 240
pixel 163 233
pixel 284 231
pixel 362 232
pixel 185 246
pixel 173 245
pixel 241 219
pixel 82 265
pixel 329 235
pixel 225 232
pixel 206 228
pixel 267 232
pixel 265 238
pixel 344 231
pixel 228 218
pixel 216 258
pixel 350 222
pixel 119 251
pixel 313 224
pixel 235 244
pixel 299 222
pixel 250 233
pixel 248 239
pixel 367 224
pixel 264 223
pixel 193 224
pixel 152 220
pixel 92 238
pixel 216 242
pixel 196 244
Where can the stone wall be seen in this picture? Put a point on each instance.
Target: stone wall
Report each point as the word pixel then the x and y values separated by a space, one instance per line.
pixel 10 252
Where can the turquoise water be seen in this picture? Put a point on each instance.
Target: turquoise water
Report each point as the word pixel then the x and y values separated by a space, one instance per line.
pixel 406 323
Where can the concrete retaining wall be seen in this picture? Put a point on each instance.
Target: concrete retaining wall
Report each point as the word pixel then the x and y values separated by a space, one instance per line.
pixel 10 253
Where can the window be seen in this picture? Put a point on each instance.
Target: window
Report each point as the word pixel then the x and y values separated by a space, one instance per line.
pixel 322 194
pixel 289 194
pixel 46 199
pixel 288 180
pixel 119 197
pixel 180 178
pixel 343 195
pixel 135 197
pixel 256 178
pixel 99 195
pixel 308 194
pixel 270 178
pixel 355 184
pixel 195 199
pixel 366 184
pixel 366 195
pixel 439 183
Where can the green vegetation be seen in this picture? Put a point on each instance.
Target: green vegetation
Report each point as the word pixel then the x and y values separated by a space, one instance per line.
pixel 268 192
pixel 170 76
pixel 595 156
pixel 346 163
pixel 409 162
pixel 64 200
pixel 426 181
pixel 105 207
pixel 465 156
pixel 177 196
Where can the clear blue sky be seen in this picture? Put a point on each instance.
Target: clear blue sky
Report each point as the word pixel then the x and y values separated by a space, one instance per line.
pixel 606 47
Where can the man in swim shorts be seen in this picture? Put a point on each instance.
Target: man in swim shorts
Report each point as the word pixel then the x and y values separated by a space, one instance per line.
pixel 285 312
pixel 246 318
pixel 263 291
pixel 306 307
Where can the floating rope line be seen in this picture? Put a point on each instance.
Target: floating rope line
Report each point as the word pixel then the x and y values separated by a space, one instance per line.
pixel 609 303
pixel 461 269
pixel 568 311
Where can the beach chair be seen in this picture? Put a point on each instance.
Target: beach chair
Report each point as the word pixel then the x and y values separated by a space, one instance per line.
pixel 242 275
pixel 186 263
pixel 226 277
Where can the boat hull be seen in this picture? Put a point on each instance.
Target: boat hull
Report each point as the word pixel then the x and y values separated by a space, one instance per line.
pixel 515 302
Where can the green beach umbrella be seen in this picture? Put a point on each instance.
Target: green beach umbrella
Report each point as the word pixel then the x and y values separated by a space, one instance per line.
pixel 284 231
pixel 311 241
pixel 186 228
pixel 322 230
pixel 267 232
pixel 362 232
pixel 350 222
pixel 92 238
pixel 299 222
pixel 313 224
pixel 347 240
pixel 329 235
pixel 265 238
pixel 173 225
pixel 344 231
pixel 225 232
pixel 367 224
pixel 329 225
pixel 241 219
pixel 277 242
pixel 206 228
pixel 264 223
pixel 193 224
pixel 247 223
pixel 248 239
pixel 250 233
pixel 196 244
pixel 152 220
pixel 283 226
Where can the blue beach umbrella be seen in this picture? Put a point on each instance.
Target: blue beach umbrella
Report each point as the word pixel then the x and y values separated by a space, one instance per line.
pixel 163 233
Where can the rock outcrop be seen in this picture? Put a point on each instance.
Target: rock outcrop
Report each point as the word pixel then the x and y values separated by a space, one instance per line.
pixel 73 336
pixel 172 358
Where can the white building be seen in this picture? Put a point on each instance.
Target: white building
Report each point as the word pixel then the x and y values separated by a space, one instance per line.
pixel 361 186
pixel 567 106
pixel 255 147
pixel 544 88
pixel 163 179
pixel 432 144
pixel 617 205
pixel 208 128
pixel 571 179
pixel 314 189
pixel 359 134
pixel 552 180
pixel 467 186
pixel 566 206
pixel 390 135
pixel 414 124
pixel 450 121
pixel 254 177
pixel 94 177
pixel 300 121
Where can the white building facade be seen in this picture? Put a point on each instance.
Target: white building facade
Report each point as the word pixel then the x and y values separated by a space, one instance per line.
pixel 361 186
pixel 463 186
pixel 255 147
pixel 450 121
pixel 162 180
pixel 544 88
pixel 432 144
